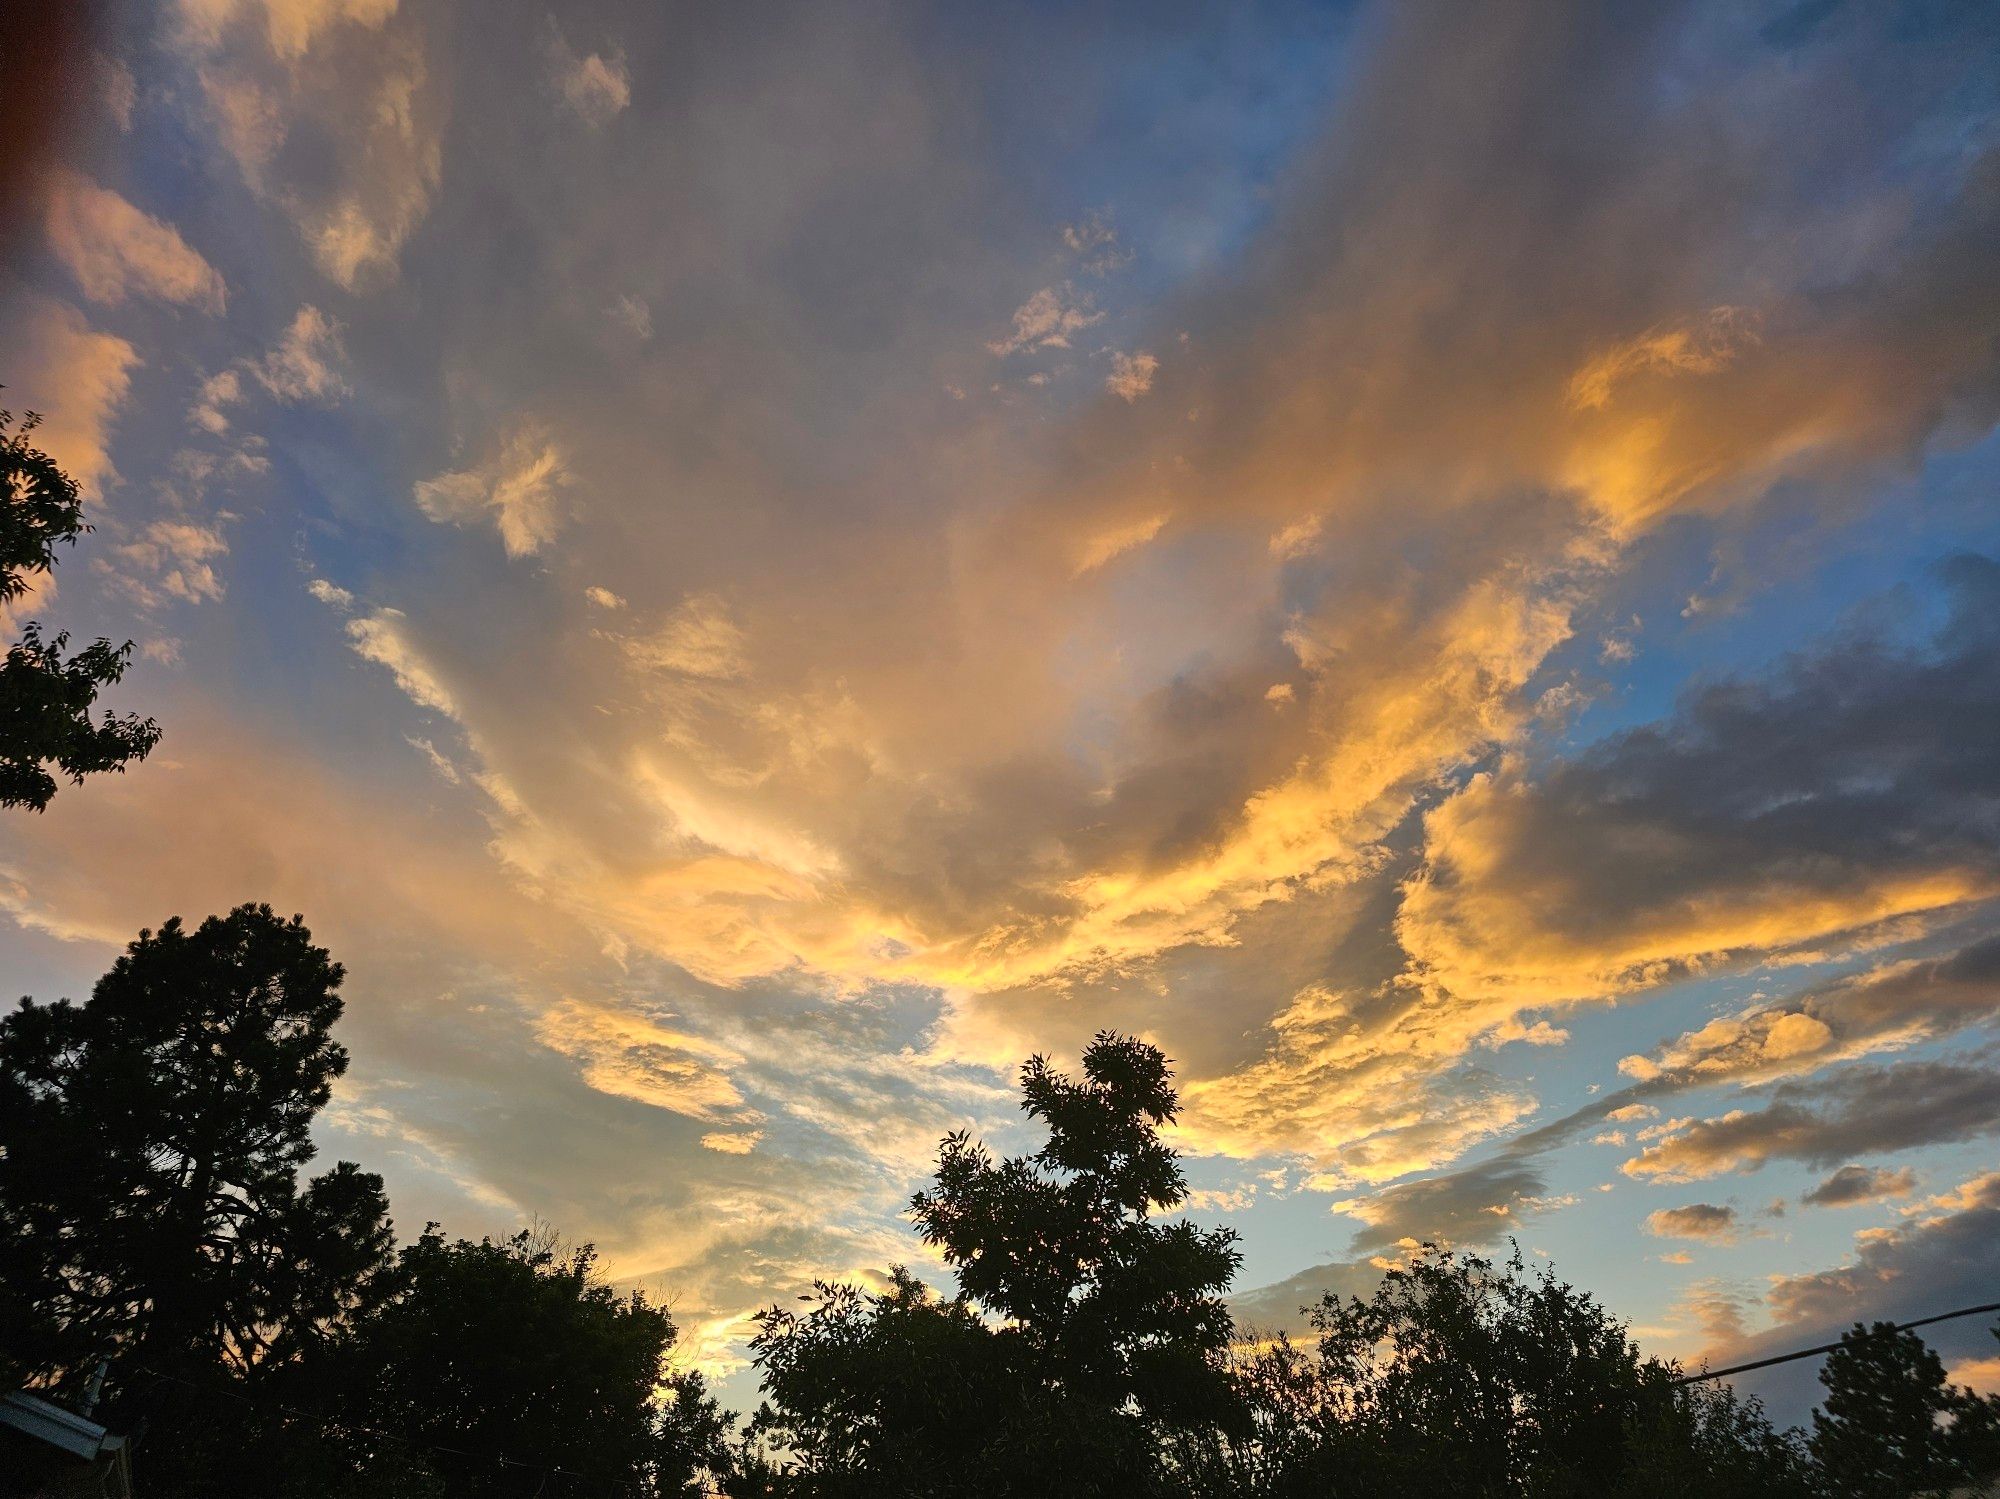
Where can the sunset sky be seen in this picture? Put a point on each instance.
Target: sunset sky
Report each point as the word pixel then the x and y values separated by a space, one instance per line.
pixel 749 566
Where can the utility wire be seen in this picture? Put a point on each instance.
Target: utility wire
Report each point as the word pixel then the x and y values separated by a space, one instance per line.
pixel 1786 1358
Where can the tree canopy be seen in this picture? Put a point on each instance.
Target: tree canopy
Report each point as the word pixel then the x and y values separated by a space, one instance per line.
pixel 1087 1336
pixel 519 1350
pixel 1891 1424
pixel 1460 1375
pixel 150 1194
pixel 46 694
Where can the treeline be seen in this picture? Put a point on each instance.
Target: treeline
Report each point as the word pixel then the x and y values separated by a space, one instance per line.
pixel 164 1253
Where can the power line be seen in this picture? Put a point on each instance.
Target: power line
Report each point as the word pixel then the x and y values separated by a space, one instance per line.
pixel 1786 1358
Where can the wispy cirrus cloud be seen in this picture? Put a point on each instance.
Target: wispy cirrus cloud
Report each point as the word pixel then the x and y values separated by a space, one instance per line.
pixel 114 249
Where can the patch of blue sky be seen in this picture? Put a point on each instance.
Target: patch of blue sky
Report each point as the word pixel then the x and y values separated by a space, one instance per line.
pixel 1176 128
pixel 1711 608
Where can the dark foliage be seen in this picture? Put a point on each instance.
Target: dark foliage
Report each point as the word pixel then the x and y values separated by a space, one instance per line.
pixel 1462 1376
pixel 46 695
pixel 502 1367
pixel 150 1200
pixel 1892 1425
pixel 1085 1349
pixel 260 1333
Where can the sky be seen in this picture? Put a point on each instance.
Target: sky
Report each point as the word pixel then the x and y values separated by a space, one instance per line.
pixel 749 567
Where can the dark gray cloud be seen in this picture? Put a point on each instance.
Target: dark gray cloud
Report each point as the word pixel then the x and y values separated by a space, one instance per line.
pixel 1477 1206
pixel 1855 1184
pixel 1855 1111
pixel 1854 784
pixel 1281 1306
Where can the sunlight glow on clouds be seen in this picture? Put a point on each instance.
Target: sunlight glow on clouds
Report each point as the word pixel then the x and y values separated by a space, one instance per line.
pixel 928 623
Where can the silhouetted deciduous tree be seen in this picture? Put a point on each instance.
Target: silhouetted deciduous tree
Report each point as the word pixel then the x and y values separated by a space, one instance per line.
pixel 518 1349
pixel 46 696
pixel 1084 1353
pixel 1463 1377
pixel 1892 1425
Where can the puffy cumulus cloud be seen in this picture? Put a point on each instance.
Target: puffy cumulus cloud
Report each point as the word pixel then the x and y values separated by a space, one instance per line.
pixel 1891 1005
pixel 171 559
pixel 114 249
pixel 304 365
pixel 1860 1109
pixel 1358 1087
pixel 1095 243
pixel 518 489
pixel 218 393
pixel 1738 1044
pixel 328 109
pixel 1857 1184
pixel 1131 375
pixel 290 26
pixel 1048 320
pixel 1719 1312
pixel 75 376
pixel 1698 1220
pixel 1839 793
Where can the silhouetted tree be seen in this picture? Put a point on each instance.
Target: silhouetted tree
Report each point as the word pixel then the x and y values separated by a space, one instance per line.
pixel 45 695
pixel 150 1201
pixel 1463 1377
pixel 1892 1425
pixel 519 1350
pixel 1706 1439
pixel 1084 1353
